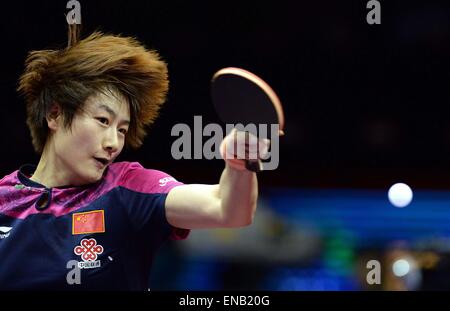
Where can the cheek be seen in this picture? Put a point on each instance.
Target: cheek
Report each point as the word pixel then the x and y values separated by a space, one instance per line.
pixel 81 142
pixel 86 139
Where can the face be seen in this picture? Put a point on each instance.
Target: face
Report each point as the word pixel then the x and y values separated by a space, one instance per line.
pixel 96 138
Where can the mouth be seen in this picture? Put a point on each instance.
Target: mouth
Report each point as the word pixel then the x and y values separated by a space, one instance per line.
pixel 102 161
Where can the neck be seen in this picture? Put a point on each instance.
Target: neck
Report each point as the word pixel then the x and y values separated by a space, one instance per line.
pixel 49 171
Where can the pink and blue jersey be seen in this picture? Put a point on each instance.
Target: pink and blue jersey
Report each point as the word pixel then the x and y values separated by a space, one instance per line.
pixel 103 236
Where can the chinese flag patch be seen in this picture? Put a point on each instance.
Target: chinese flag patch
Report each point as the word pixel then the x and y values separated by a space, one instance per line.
pixel 88 222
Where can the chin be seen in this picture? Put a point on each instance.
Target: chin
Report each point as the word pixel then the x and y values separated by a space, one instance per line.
pixel 86 180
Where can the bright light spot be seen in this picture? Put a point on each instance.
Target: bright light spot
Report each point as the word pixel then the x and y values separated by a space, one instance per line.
pixel 400 195
pixel 401 267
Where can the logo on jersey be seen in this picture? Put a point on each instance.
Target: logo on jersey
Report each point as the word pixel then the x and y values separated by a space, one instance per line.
pixel 4 232
pixel 88 222
pixel 164 181
pixel 89 251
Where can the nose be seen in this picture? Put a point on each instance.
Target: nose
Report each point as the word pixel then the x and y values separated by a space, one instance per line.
pixel 111 141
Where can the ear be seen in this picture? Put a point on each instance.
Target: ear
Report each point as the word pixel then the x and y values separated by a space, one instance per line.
pixel 54 117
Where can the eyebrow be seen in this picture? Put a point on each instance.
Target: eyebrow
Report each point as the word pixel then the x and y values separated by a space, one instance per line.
pixel 112 113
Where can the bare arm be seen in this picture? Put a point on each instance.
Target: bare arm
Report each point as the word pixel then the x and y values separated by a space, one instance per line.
pixel 231 203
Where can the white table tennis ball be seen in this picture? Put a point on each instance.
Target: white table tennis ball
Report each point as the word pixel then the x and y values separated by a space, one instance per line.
pixel 400 195
pixel 401 267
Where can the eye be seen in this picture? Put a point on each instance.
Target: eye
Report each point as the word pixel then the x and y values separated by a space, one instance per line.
pixel 123 131
pixel 103 120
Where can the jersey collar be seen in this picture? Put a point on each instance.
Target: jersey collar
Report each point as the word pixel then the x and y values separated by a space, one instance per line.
pixel 24 174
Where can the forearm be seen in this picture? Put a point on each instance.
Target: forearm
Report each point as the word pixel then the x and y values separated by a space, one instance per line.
pixel 238 192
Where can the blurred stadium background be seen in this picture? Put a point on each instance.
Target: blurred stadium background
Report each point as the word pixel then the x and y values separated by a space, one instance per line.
pixel 366 106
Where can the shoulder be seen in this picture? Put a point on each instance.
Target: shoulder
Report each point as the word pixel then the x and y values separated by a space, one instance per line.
pixel 133 176
pixel 10 179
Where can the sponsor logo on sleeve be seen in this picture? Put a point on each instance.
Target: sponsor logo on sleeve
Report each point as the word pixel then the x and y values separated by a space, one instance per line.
pixel 164 181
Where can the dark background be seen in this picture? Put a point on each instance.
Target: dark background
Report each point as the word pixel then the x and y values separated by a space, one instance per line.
pixel 366 105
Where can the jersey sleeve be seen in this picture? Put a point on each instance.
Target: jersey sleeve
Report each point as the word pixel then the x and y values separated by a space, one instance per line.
pixel 144 193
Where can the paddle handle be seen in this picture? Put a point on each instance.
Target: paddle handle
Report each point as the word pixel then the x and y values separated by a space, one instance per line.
pixel 253 165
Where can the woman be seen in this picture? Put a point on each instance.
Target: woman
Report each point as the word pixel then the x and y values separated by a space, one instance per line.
pixel 78 220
